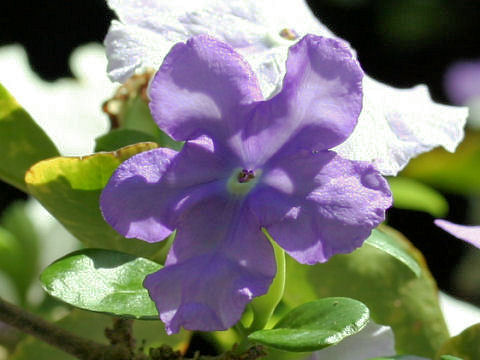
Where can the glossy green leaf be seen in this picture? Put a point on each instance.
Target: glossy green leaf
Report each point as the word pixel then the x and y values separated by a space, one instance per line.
pixel 70 187
pixel 386 242
pixel 465 346
pixel 315 325
pixel 458 172
pixel 118 138
pixel 413 195
pixel 103 281
pixel 23 142
pixel 392 292
pixel 92 326
pixel 450 357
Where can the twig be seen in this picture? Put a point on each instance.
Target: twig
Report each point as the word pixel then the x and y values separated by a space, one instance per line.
pixel 60 338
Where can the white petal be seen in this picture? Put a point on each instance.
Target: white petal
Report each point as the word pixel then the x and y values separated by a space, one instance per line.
pixel 398 124
pixel 149 28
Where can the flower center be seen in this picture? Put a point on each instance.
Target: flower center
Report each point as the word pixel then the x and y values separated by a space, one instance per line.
pixel 245 176
pixel 242 181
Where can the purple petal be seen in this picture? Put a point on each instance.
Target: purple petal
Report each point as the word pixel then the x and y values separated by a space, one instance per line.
pixel 219 261
pixel 199 89
pixel 470 234
pixel 316 205
pixel 148 192
pixel 462 82
pixel 318 106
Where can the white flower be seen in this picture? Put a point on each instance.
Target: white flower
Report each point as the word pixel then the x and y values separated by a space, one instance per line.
pixel 395 124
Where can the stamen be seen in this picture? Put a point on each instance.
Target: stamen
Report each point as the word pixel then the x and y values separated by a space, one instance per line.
pixel 245 176
pixel 289 34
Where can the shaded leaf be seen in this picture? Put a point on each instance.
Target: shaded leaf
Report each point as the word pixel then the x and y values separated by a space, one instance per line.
pixel 394 295
pixel 103 281
pixel 23 142
pixel 315 325
pixel 386 242
pixel 465 346
pixel 70 187
pixel 118 138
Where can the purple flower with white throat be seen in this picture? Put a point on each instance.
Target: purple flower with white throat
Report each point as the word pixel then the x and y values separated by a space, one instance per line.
pixel 247 164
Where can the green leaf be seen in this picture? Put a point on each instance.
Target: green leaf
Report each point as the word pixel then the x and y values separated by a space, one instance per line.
pixel 394 295
pixel 450 357
pixel 23 142
pixel 11 262
pixel 413 195
pixel 118 138
pixel 15 221
pixel 315 325
pixel 264 306
pixel 92 326
pixel 138 117
pixel 465 346
pixel 386 242
pixel 102 281
pixel 70 187
pixel 458 172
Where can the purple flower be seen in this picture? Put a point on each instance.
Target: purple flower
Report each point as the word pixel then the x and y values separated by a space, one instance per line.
pixel 470 234
pixel 247 164
pixel 462 82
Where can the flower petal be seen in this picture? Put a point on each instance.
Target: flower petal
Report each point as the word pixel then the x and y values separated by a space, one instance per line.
pixel 470 234
pixel 398 124
pixel 213 271
pixel 316 205
pixel 462 81
pixel 148 192
pixel 199 89
pixel 319 103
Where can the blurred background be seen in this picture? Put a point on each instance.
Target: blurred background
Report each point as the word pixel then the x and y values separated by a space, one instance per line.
pixel 399 42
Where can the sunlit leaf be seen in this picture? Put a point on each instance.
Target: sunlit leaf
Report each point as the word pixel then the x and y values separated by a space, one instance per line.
pixel 103 281
pixel 70 187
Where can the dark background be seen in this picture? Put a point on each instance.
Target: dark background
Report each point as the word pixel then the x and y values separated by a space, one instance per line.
pixel 400 42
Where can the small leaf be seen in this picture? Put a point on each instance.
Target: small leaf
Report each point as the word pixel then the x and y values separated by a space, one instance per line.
pixel 413 195
pixel 102 281
pixel 315 325
pixel 70 187
pixel 23 142
pixel 450 357
pixel 118 138
pixel 387 243
pixel 465 346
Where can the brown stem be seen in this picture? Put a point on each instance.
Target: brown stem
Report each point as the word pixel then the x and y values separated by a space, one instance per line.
pixel 56 336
